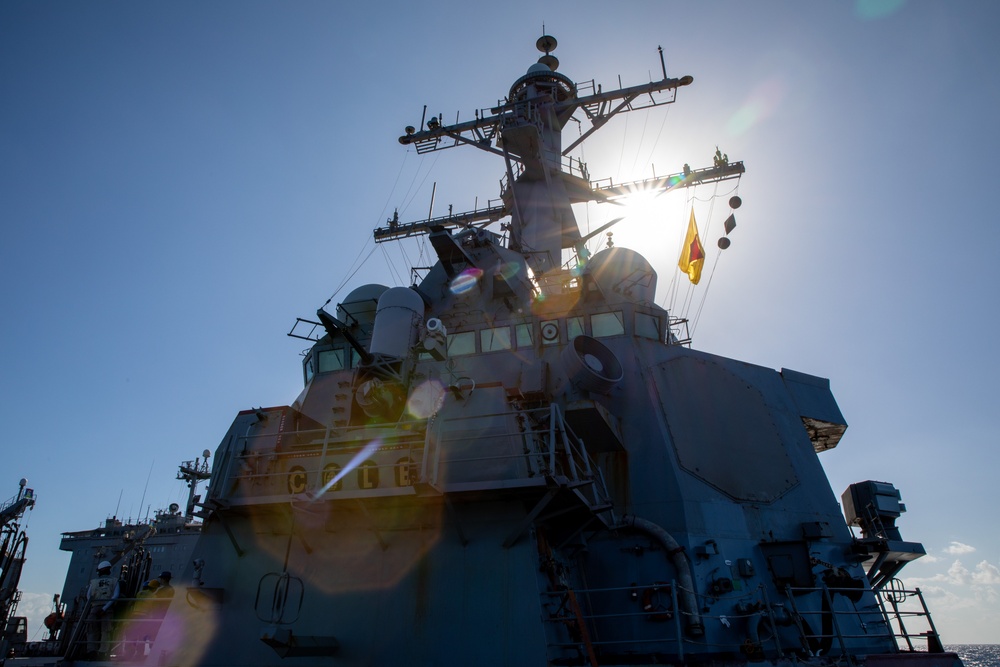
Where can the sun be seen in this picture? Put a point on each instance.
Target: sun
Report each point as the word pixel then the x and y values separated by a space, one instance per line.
pixel 643 207
pixel 638 218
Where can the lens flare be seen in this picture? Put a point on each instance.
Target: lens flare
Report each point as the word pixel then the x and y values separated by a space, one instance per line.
pixel 365 452
pixel 186 633
pixel 466 280
pixel 870 10
pixel 426 399
pixel 763 102
pixel 508 270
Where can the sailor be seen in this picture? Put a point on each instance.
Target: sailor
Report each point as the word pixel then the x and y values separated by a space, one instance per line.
pixel 139 631
pixel 721 159
pixel 164 590
pixel 102 593
pixel 155 607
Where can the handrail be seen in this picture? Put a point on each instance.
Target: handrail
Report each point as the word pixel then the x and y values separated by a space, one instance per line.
pixel 125 622
pixel 874 621
pixel 896 596
pixel 522 447
pixel 889 612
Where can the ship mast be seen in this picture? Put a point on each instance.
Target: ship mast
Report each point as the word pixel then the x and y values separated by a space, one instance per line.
pixel 541 181
pixel 193 472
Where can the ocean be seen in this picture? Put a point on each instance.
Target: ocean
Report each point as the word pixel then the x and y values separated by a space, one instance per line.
pixel 977 655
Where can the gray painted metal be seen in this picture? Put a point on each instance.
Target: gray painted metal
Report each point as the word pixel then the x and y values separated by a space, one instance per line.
pixel 559 483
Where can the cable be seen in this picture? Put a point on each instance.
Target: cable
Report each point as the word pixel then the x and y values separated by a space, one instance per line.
pixel 621 156
pixel 656 142
pixel 388 262
pixel 718 255
pixel 642 136
pixel 352 273
pixel 697 316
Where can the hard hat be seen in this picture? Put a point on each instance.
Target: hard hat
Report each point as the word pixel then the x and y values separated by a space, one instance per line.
pixel 104 565
pixel 153 584
pixel 165 575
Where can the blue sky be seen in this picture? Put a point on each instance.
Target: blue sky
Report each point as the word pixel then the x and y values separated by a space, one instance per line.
pixel 179 181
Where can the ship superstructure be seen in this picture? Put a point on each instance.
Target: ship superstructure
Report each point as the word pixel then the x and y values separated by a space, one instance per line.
pixel 137 552
pixel 519 461
pixel 163 542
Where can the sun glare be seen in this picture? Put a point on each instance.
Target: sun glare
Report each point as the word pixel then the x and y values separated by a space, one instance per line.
pixel 644 216
pixel 643 207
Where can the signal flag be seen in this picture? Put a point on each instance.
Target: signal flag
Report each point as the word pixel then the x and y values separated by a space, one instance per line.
pixel 693 254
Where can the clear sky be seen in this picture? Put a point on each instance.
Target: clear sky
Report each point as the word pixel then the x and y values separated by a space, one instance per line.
pixel 180 180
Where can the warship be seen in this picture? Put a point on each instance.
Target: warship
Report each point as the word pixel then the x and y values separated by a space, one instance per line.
pixel 520 459
pixel 136 550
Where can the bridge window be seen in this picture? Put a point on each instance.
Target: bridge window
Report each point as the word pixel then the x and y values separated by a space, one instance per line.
pixel 461 343
pixel 331 360
pixel 308 367
pixel 607 324
pixel 493 340
pixel 647 326
pixel 523 334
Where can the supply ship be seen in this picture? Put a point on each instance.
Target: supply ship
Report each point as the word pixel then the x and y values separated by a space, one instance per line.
pixel 520 459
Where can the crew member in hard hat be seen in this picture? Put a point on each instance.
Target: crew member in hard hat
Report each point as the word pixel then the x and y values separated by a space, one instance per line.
pixel 102 593
pixel 155 608
pixel 139 631
pixel 165 590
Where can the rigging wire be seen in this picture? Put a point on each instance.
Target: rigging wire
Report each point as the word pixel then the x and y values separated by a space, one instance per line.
pixel 715 194
pixel 656 141
pixel 621 156
pixel 708 285
pixel 672 291
pixel 711 209
pixel 406 203
pixel 355 266
pixel 388 262
pixel 642 136
pixel 421 244
pixel 697 315
pixel 385 207
pixel 691 291
pixel 351 275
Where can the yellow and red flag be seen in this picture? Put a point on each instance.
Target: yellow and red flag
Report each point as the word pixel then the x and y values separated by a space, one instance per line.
pixel 693 254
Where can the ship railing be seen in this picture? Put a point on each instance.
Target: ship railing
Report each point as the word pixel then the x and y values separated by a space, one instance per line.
pixel 9 502
pixel 578 462
pixel 480 451
pixel 135 622
pixel 261 464
pixel 755 631
pixel 902 606
pixel 658 608
pixel 15 506
pixel 516 170
pixel 656 605
pixel 529 446
pixel 567 164
pixel 678 332
pixel 888 617
pixel 502 449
